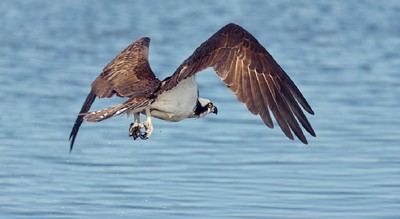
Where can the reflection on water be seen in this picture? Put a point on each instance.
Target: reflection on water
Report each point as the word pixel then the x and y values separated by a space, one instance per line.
pixel 344 60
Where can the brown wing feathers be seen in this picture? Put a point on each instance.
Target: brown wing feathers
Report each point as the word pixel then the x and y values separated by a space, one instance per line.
pixel 251 73
pixel 128 74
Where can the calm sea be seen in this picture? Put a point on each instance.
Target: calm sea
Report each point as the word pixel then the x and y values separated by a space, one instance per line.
pixel 343 55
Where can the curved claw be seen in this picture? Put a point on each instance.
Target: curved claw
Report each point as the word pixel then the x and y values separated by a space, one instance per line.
pixel 144 136
pixel 134 131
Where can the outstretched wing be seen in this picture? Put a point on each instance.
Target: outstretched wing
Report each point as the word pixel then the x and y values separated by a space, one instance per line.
pixel 250 72
pixel 127 75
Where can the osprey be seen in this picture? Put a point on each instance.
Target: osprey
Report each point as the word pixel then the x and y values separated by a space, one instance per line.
pixel 241 62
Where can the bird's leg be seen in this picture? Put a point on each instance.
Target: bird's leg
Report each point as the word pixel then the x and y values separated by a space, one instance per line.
pixel 134 129
pixel 147 125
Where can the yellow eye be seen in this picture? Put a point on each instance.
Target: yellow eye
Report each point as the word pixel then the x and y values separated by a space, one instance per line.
pixel 210 105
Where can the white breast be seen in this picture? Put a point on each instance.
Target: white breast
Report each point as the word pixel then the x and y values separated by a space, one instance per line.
pixel 177 103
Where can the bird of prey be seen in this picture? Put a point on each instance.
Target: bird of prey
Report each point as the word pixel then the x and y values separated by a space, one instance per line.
pixel 241 62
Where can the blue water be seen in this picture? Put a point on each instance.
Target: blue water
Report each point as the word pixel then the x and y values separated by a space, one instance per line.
pixel 343 55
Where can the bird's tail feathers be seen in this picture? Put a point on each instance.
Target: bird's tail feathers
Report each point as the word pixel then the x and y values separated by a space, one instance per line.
pixel 100 115
pixel 133 105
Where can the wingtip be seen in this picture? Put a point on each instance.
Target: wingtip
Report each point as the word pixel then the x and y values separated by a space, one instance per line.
pixel 311 131
pixel 72 139
pixel 79 119
pixel 304 140
pixel 303 102
pixel 145 41
pixel 289 134
pixel 313 134
pixel 231 24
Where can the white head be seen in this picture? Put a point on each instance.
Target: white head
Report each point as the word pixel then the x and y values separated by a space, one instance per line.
pixel 204 107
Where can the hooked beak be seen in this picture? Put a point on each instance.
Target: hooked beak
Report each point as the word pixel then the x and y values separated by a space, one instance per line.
pixel 214 110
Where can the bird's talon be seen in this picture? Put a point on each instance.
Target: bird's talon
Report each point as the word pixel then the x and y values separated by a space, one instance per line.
pixel 144 136
pixel 134 131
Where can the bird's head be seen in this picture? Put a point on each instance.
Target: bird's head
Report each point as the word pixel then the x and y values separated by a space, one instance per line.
pixel 204 107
